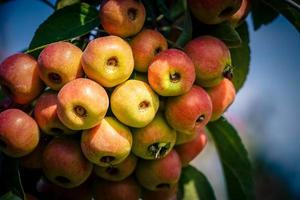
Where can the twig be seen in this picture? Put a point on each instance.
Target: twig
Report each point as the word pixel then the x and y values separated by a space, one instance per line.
pixel 293 3
pixel 48 3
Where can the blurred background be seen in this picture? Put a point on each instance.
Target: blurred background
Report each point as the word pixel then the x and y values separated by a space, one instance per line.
pixel 265 111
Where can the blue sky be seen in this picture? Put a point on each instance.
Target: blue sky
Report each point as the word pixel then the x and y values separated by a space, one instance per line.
pixel 268 105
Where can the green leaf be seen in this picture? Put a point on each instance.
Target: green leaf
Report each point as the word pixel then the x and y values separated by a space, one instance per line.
pixel 262 14
pixel 178 8
pixel 64 24
pixel 63 3
pixel 289 9
pixel 186 30
pixel 10 176
pixel 234 159
pixel 10 196
pixel 162 7
pixel 241 58
pixel 194 185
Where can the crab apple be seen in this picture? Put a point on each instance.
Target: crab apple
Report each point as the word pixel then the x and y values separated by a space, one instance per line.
pixel 213 12
pixel 211 58
pixel 123 18
pixel 82 104
pixel 19 78
pixel 189 111
pixel 19 133
pixel 188 151
pixel 145 45
pixel 107 144
pixel 108 60
pixel 166 194
pixel 127 189
pixel 155 140
pixel 59 63
pixel 186 136
pixel 45 114
pixel 119 171
pixel 171 73
pixel 134 103
pixel 64 164
pixel 241 14
pixel 82 192
pixel 159 174
pixel 222 96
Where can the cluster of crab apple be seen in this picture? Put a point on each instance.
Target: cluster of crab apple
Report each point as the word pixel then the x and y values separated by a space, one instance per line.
pixel 137 106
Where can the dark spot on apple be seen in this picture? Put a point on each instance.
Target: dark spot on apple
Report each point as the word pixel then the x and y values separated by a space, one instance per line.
pixel 144 104
pixel 56 131
pixel 62 180
pixel 80 111
pixel 174 77
pixel 200 119
pixel 132 13
pixel 157 50
pixel 107 159
pixel 55 78
pixel 112 62
pixel 227 12
pixel 163 186
pixel 112 170
pixel 3 144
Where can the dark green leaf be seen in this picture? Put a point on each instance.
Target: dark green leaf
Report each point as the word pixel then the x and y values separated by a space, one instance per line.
pixel 178 8
pixel 64 24
pixel 234 159
pixel 194 185
pixel 10 196
pixel 241 58
pixel 262 14
pixel 186 30
pixel 10 176
pixel 63 3
pixel 162 7
pixel 289 9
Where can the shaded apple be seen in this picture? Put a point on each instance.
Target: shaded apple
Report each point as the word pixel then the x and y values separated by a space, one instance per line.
pixel 59 63
pixel 159 174
pixel 171 73
pixel 241 14
pixel 155 140
pixel 145 45
pixel 189 111
pixel 123 18
pixel 119 171
pixel 186 136
pixel 82 104
pixel 211 58
pixel 165 194
pixel 19 78
pixel 213 12
pixel 64 164
pixel 190 150
pixel 107 144
pixel 108 60
pixel 19 133
pixel 127 189
pixel 222 96
pixel 45 114
pixel 134 103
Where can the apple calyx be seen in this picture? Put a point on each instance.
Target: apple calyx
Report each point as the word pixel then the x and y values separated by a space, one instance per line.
pixel 132 13
pixel 158 150
pixel 55 78
pixel 200 119
pixel 228 72
pixel 174 77
pixel 144 104
pixel 107 159
pixel 80 111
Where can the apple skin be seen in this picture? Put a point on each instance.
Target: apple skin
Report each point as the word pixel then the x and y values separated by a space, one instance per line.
pixel 59 63
pixel 145 45
pixel 140 106
pixel 19 78
pixel 241 14
pixel 186 136
pixel 19 133
pixel 189 111
pixel 122 18
pixel 108 60
pixel 109 140
pixel 45 114
pixel 156 134
pixel 222 96
pixel 166 194
pixel 159 174
pixel 171 73
pixel 210 56
pixel 119 171
pixel 190 150
pixel 64 164
pixel 127 189
pixel 213 11
pixel 82 104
